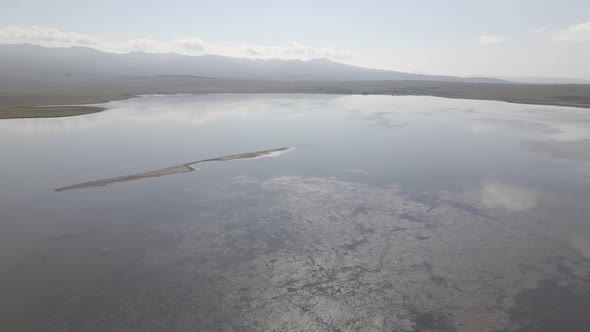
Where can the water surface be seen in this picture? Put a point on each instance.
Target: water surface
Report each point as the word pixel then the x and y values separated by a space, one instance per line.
pixel 381 214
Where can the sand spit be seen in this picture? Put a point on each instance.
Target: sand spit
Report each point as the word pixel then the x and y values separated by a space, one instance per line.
pixel 177 169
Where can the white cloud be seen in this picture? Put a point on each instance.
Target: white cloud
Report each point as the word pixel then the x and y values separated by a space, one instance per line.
pixel 575 33
pixel 581 244
pixel 47 36
pixel 135 45
pixel 295 50
pixel 490 39
pixel 53 37
pixel 195 44
pixel 539 30
pixel 508 197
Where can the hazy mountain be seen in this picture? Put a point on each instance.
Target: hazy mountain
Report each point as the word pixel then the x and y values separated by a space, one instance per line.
pixel 547 80
pixel 32 62
pixel 280 70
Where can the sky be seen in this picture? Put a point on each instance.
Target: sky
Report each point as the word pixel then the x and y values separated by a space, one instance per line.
pixel 499 38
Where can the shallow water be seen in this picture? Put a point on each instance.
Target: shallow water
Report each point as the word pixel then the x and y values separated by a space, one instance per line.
pixel 389 213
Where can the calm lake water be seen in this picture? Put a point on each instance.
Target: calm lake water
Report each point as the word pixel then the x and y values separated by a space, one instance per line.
pixel 387 214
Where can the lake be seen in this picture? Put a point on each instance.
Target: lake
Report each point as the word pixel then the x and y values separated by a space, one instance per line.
pixel 295 212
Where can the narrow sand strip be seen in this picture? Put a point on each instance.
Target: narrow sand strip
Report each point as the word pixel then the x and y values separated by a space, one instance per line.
pixel 177 169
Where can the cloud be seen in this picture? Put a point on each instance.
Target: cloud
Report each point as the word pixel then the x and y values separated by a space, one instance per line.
pixel 47 36
pixel 575 33
pixel 135 45
pixel 53 37
pixel 508 197
pixel 296 50
pixel 581 244
pixel 194 44
pixel 540 30
pixel 490 39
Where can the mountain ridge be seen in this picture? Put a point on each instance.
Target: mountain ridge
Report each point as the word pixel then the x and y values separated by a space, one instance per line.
pixel 29 61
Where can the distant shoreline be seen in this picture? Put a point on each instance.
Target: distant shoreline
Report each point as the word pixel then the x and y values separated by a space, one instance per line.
pixel 16 103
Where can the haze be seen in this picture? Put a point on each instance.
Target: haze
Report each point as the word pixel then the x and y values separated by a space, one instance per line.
pixel 254 166
pixel 522 39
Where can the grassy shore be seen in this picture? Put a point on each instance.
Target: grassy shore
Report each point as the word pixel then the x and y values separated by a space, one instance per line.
pixel 23 101
pixel 22 112
pixel 35 105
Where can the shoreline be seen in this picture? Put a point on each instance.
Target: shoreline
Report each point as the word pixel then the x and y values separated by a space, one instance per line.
pixel 75 103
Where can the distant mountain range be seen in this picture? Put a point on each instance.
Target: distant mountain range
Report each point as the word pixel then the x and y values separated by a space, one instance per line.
pixel 547 80
pixel 26 62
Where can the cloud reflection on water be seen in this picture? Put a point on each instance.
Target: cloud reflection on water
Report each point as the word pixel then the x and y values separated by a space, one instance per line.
pixel 563 133
pixel 509 197
pixel 185 109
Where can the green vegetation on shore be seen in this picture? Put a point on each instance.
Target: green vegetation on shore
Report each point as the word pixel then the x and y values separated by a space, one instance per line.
pixel 20 112
pixel 37 104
